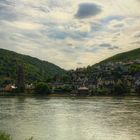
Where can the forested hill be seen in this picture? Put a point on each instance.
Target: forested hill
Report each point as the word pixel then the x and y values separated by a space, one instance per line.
pixel 128 60
pixel 124 57
pixel 35 69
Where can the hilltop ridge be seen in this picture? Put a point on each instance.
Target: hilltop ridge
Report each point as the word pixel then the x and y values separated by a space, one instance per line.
pixel 125 56
pixel 35 69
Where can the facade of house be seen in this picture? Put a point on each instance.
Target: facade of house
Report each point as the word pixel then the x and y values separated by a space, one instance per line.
pixel 10 88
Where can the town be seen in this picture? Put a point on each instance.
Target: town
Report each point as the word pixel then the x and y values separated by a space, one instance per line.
pixel 111 78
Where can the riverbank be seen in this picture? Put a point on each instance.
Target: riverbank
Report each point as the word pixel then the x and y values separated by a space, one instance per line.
pixel 3 94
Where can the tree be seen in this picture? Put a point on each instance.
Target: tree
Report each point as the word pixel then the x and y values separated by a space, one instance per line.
pixel 120 89
pixel 42 88
pixel 65 78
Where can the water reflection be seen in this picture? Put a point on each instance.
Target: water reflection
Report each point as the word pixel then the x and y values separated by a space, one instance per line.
pixel 98 118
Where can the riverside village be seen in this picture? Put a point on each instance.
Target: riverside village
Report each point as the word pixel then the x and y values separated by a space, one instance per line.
pixel 111 78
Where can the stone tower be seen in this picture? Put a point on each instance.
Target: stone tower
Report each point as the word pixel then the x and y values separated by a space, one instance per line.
pixel 20 78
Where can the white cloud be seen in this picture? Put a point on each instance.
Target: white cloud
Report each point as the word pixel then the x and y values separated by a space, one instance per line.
pixel 25 25
pixel 49 30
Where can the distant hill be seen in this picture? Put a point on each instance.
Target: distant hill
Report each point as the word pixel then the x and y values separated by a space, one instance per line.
pixel 126 56
pixel 122 57
pixel 35 69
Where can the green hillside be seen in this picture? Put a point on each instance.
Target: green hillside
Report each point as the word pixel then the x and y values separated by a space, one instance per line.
pixel 126 56
pixel 122 57
pixel 34 69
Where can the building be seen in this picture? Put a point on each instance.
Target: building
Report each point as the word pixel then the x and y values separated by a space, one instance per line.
pixel 83 91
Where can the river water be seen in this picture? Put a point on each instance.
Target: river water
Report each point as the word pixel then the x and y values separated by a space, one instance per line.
pixel 96 118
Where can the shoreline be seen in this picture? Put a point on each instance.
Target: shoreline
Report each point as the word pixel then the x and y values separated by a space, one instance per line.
pixel 6 94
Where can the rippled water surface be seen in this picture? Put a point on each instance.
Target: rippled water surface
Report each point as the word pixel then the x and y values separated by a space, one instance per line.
pixel 97 118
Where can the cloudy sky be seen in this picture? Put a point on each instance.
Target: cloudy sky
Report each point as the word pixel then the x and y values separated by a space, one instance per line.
pixel 70 33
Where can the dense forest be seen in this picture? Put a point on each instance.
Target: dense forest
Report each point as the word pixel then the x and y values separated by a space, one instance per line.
pixel 34 69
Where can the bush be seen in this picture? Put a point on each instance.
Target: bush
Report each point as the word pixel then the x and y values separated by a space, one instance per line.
pixel 67 88
pixel 62 89
pixel 4 136
pixel 102 91
pixel 29 138
pixel 138 89
pixel 120 89
pixel 42 88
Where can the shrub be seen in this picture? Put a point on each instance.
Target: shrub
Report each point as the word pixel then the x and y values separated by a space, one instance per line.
pixel 42 88
pixel 5 136
pixel 120 89
pixel 29 138
pixel 102 91
pixel 62 89
pixel 67 88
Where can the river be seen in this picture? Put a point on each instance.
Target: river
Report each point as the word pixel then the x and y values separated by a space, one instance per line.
pixel 63 118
